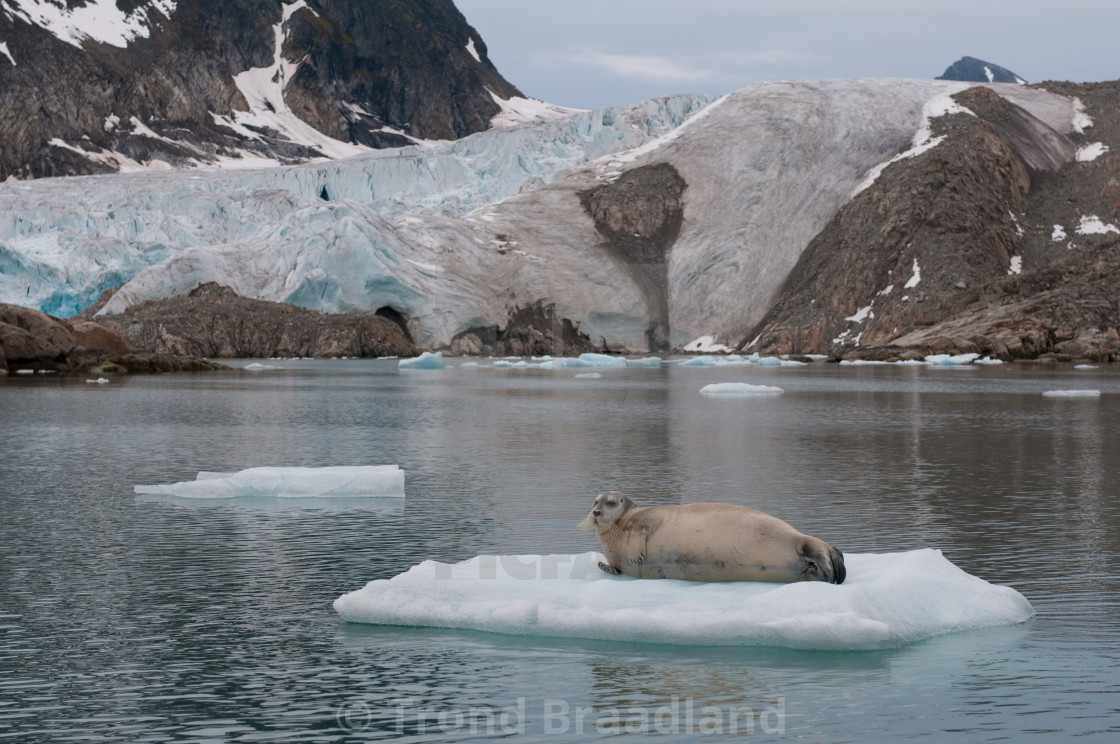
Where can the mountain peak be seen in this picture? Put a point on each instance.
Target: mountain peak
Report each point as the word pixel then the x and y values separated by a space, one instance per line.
pixel 973 70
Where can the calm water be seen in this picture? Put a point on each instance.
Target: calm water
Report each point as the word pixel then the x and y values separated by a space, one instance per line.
pixel 130 618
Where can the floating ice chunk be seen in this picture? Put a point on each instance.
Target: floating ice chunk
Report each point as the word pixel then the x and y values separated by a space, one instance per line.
pixel 602 360
pixel 739 388
pixel 988 360
pixel 863 362
pixel 731 360
pixel 887 600
pixel 427 360
pixel 350 481
pixel 1092 225
pixel 768 362
pixel 705 344
pixel 469 364
pixel 1085 366
pixel 589 375
pixel 99 381
pixel 645 362
pixel 1091 152
pixel 950 360
pixel 1072 393
pixel 258 367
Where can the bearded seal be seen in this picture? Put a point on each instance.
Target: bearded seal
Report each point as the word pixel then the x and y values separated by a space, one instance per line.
pixel 706 542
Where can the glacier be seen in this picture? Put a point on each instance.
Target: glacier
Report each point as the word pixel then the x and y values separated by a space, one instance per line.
pixel 887 600
pixel 364 481
pixel 457 235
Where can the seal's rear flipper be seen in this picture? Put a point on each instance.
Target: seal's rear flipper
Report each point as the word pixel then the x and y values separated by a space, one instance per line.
pixel 822 562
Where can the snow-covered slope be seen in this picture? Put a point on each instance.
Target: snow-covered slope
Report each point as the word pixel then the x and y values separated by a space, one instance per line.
pixel 458 234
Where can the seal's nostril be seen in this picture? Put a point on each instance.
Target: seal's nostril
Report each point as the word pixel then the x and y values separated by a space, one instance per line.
pixel 597 513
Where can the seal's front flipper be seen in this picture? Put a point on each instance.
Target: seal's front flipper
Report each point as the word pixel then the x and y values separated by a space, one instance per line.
pixel 609 569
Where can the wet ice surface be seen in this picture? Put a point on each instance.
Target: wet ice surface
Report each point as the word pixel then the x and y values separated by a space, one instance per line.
pixel 127 617
pixel 887 600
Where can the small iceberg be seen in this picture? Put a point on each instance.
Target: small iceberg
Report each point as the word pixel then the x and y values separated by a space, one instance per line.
pixel 363 481
pixel 1072 393
pixel 888 600
pixel 588 376
pixel 427 360
pixel 739 389
pixel 258 367
pixel 99 381
pixel 950 360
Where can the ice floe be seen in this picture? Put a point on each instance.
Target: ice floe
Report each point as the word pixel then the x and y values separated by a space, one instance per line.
pixel 427 360
pixel 739 389
pixel 887 600
pixel 1072 393
pixel 368 481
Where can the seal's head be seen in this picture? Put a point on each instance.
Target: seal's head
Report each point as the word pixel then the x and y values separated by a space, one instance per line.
pixel 607 509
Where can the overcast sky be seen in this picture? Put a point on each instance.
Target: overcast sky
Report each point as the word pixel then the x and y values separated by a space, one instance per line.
pixel 597 53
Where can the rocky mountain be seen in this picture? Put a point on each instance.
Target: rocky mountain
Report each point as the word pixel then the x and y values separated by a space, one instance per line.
pixel 972 70
pixel 98 86
pixel 996 241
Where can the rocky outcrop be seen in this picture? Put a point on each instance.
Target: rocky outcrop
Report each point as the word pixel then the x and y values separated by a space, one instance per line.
pixel 957 249
pixel 972 70
pixel 145 86
pixel 214 321
pixel 535 330
pixel 1067 311
pixel 31 341
pixel 639 216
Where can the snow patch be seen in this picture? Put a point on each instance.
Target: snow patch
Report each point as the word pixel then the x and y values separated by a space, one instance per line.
pixel 1092 225
pixel 887 600
pixel 914 277
pixel 518 110
pixel 862 314
pixel 1081 120
pixel 263 89
pixel 1091 152
pixel 96 20
pixel 1059 234
pixel 382 481
pixel 6 53
pixel 472 51
pixel 940 105
pixel 988 72
pixel 1016 265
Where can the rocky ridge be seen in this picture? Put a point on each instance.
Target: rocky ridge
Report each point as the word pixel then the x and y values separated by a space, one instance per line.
pixel 214 321
pixel 34 342
pixel 997 241
pixel 176 83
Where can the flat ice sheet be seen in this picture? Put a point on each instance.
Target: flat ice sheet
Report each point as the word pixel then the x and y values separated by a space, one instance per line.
pixel 739 389
pixel 888 600
pixel 385 481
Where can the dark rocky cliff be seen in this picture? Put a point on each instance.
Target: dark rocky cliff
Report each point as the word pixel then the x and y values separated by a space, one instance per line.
pixel 362 67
